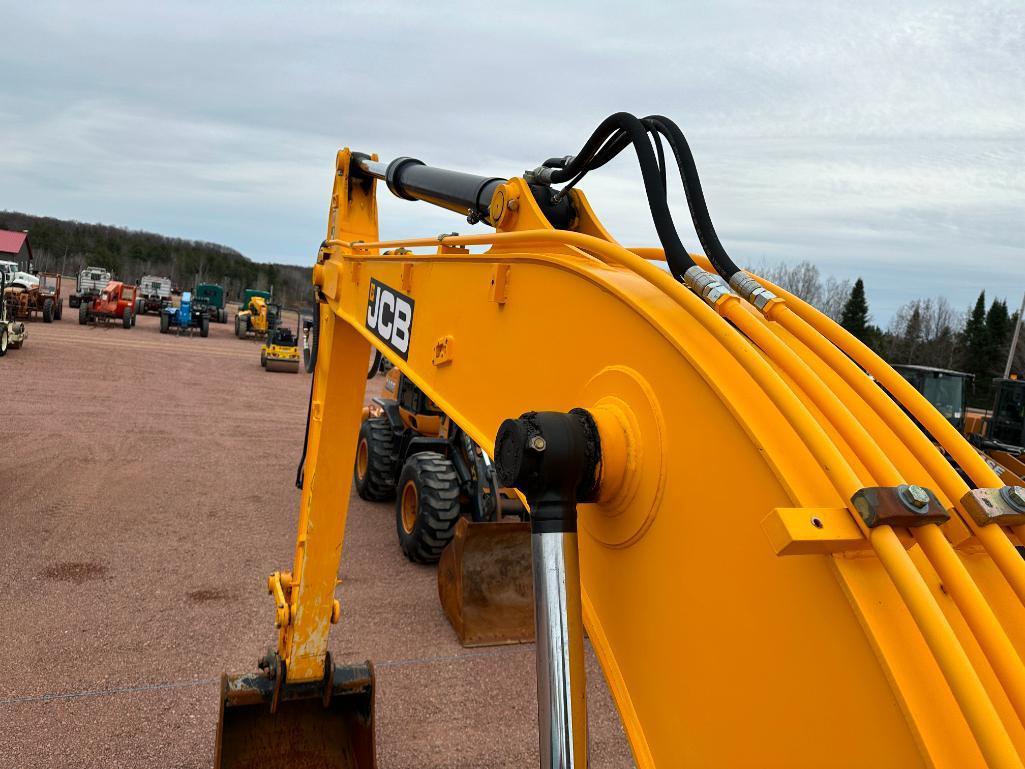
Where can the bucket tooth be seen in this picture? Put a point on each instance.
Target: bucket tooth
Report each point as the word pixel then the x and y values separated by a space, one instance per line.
pixel 485 583
pixel 318 724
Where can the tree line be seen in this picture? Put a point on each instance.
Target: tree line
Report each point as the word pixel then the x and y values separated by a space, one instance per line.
pixel 923 332
pixel 67 247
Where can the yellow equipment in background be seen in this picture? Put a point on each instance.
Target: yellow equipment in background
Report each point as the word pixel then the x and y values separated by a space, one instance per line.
pixel 257 316
pixel 773 563
pixel 281 350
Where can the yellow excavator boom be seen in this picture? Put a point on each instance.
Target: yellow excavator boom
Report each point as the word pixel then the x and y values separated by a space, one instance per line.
pixel 776 566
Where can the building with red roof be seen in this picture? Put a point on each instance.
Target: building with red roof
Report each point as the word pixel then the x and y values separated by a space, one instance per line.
pixel 15 247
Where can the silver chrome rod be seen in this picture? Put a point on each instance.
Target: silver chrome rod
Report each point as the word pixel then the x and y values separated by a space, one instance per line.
pixel 559 627
pixel 374 168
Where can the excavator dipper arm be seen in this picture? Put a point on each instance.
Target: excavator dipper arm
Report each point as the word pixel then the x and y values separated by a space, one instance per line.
pixel 775 568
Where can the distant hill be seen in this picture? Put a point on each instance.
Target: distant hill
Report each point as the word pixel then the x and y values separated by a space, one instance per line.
pixel 66 246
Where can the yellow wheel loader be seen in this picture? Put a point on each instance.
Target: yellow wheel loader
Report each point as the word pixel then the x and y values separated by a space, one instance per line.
pixel 449 507
pixel 774 565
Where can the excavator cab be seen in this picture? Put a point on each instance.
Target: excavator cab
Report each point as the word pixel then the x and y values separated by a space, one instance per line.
pixel 945 389
pixel 1007 424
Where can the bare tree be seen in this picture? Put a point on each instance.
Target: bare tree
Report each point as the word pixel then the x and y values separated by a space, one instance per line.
pixel 803 279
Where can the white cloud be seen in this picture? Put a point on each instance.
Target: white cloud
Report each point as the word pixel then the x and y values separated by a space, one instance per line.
pixel 880 139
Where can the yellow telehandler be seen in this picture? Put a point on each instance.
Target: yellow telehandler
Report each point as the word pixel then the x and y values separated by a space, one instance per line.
pixel 773 563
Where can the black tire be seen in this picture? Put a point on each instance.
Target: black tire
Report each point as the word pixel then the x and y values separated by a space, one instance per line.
pixel 377 460
pixel 140 307
pixel 238 326
pixel 222 315
pixel 74 302
pixel 83 315
pixel 5 340
pixel 204 326
pixel 426 506
pixel 60 310
pixel 47 311
pixel 263 358
pixel 126 317
pixel 165 322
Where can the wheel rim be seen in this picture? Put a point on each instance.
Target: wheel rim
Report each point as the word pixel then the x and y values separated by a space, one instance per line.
pixel 362 459
pixel 410 503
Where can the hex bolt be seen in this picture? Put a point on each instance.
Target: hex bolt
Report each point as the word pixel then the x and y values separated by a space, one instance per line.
pixel 538 443
pixel 1016 496
pixel 915 497
pixel 918 495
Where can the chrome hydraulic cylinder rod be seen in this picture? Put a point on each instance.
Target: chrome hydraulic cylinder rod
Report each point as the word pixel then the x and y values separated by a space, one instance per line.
pixel 553 458
pixel 559 628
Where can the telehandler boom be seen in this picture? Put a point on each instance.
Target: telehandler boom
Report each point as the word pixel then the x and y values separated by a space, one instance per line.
pixel 772 561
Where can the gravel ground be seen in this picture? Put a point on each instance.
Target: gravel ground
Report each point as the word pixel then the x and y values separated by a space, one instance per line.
pixel 146 493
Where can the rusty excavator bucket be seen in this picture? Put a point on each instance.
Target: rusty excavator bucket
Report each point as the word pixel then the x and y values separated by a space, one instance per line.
pixel 485 583
pixel 315 725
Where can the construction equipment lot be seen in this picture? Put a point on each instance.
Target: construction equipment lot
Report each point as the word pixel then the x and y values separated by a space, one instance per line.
pixel 148 489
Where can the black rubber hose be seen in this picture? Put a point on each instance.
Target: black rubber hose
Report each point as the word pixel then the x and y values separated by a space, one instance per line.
pixel 314 349
pixel 612 147
pixel 637 133
pixel 721 260
pixel 581 161
pixel 300 472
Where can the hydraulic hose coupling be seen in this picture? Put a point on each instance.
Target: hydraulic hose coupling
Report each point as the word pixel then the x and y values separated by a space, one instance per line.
pixel 709 286
pixel 751 290
pixel 553 458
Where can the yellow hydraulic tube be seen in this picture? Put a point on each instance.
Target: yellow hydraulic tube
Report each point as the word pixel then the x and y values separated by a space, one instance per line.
pixel 992 538
pixel 996 544
pixel 997 647
pixel 978 709
pixel 976 611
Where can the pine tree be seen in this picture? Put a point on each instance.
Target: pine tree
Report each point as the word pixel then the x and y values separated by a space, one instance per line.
pixel 854 316
pixel 998 328
pixel 976 344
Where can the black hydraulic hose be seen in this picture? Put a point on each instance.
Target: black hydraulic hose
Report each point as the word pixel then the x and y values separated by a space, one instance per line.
pixel 634 132
pixel 310 367
pixel 300 472
pixel 612 147
pixel 717 255
pixel 581 160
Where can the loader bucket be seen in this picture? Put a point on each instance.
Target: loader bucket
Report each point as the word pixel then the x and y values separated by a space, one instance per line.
pixel 312 725
pixel 289 366
pixel 486 585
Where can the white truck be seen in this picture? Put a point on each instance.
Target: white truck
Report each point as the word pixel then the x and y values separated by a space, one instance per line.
pixel 154 294
pixel 91 281
pixel 15 278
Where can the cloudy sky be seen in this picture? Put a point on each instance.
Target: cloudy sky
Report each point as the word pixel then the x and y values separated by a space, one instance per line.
pixel 878 139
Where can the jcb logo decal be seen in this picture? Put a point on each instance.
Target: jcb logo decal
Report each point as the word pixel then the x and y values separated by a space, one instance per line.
pixel 390 317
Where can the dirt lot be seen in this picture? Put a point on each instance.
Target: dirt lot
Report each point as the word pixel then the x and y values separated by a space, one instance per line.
pixel 147 491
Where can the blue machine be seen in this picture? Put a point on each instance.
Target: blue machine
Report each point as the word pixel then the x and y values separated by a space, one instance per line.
pixel 188 315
